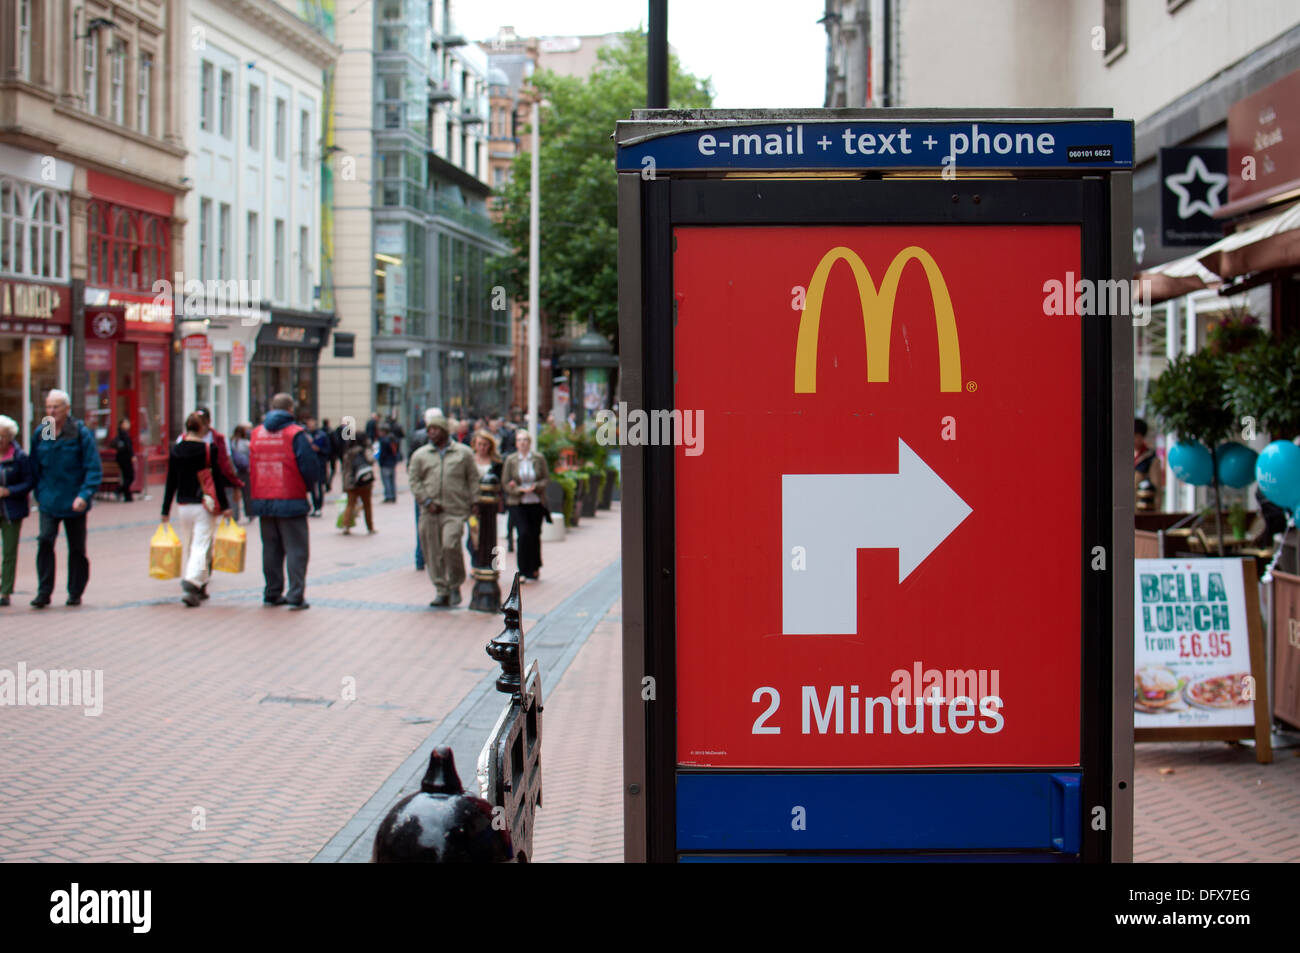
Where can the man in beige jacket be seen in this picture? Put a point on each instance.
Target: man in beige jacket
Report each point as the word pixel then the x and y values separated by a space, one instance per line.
pixel 444 480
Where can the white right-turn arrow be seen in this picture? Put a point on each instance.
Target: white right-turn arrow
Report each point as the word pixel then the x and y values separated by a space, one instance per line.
pixel 833 515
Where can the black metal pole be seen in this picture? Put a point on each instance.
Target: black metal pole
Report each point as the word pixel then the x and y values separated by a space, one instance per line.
pixel 656 96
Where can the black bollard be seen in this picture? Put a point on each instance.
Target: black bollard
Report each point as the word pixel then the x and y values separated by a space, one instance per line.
pixel 508 647
pixel 486 596
pixel 441 824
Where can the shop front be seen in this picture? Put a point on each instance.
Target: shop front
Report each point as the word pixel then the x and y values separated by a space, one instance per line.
pixel 128 372
pixel 215 360
pixel 35 336
pixel 286 360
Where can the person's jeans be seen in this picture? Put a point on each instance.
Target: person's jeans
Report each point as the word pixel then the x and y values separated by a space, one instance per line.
pixel 74 527
pixel 285 539
pixel 9 565
pixel 419 550
pixel 245 492
pixel 389 476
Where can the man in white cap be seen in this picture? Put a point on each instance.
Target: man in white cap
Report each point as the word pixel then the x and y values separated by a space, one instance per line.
pixel 444 481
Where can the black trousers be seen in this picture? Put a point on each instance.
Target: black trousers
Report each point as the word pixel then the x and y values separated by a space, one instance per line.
pixel 285 539
pixel 74 527
pixel 528 519
pixel 128 477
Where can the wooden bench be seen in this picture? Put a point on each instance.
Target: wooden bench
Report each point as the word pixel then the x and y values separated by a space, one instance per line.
pixel 110 485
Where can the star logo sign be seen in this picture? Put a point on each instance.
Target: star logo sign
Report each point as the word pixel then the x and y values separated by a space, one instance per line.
pixel 1196 171
pixel 105 325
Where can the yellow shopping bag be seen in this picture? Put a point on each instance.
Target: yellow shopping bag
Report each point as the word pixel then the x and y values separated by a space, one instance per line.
pixel 228 547
pixel 165 553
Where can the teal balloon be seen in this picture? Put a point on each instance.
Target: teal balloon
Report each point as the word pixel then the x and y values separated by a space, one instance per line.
pixel 1192 463
pixel 1278 472
pixel 1236 465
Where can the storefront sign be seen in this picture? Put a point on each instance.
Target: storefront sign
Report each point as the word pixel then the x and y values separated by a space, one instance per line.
pixel 1264 144
pixel 99 356
pixel 1197 650
pixel 1194 185
pixel 195 342
pixel 390 369
pixel 293 334
pixel 106 323
pixel 205 359
pixel 33 301
pixel 153 359
pixel 1286 647
pixel 238 357
pixel 390 239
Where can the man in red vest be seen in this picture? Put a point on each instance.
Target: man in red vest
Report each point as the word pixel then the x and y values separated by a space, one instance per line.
pixel 282 465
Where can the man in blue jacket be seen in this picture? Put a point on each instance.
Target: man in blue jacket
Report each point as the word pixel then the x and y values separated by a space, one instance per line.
pixel 66 468
pixel 283 468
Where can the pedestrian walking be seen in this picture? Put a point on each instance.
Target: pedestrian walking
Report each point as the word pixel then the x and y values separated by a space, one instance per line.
pixel 337 448
pixel 67 472
pixel 525 477
pixel 320 443
pixel 124 451
pixel 283 466
pixel 190 464
pixel 358 483
pixel 390 453
pixel 417 440
pixel 239 457
pixel 486 460
pixel 15 486
pixel 444 480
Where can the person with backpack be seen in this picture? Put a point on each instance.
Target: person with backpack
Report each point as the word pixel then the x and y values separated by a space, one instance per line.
pixel 358 483
pixel 320 443
pixel 390 452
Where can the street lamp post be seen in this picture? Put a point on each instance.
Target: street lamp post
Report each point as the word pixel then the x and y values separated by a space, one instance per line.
pixel 534 345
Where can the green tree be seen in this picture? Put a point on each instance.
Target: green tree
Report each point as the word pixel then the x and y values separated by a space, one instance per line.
pixel 579 197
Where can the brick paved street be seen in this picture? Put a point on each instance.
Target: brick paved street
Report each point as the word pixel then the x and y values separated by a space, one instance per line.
pixel 231 717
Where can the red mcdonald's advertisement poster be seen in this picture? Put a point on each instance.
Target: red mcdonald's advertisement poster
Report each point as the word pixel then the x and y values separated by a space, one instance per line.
pixel 878 530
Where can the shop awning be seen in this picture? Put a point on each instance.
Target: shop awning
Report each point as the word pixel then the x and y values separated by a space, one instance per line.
pixel 1267 245
pixel 1178 277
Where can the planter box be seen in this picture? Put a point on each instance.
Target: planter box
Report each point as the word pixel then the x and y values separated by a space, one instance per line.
pixel 607 497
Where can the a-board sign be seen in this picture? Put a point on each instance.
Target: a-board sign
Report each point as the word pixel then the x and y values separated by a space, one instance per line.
pixel 1286 647
pixel 1198 650
pixel 872 591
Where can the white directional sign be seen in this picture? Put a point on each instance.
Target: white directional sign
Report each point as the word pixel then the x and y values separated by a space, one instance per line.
pixel 827 517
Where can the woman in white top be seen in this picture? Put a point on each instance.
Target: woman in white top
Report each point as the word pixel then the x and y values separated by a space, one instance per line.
pixel 525 476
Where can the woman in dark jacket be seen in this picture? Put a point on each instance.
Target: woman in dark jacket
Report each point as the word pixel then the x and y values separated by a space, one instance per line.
pixel 196 526
pixel 15 485
pixel 124 447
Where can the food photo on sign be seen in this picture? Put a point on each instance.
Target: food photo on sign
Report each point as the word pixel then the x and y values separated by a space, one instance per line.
pixel 1192 649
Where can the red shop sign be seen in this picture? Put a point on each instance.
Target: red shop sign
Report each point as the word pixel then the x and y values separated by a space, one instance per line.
pixel 105 323
pixel 859 532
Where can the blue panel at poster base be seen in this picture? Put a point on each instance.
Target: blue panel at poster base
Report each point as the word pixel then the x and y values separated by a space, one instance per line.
pixel 890 812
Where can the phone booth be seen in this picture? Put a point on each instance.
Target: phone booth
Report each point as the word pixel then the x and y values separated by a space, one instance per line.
pixel 877 584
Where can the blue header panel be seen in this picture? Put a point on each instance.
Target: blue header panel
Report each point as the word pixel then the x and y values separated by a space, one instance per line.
pixel 1075 145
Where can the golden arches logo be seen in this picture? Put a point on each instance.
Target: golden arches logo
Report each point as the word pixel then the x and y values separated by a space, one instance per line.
pixel 877 318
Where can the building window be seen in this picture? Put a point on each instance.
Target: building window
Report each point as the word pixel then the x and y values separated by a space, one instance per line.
pixel 117 82
pixel 1114 18
pixel 205 96
pixel 251 245
pixel 127 249
pixel 144 95
pixel 279 259
pixel 33 231
pixel 280 132
pixel 304 139
pixel 91 79
pixel 225 251
pixel 304 267
pixel 227 104
pixel 255 118
pixel 25 39
pixel 205 237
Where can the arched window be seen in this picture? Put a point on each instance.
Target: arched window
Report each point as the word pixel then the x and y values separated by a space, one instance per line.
pixel 124 274
pixel 33 231
pixel 153 250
